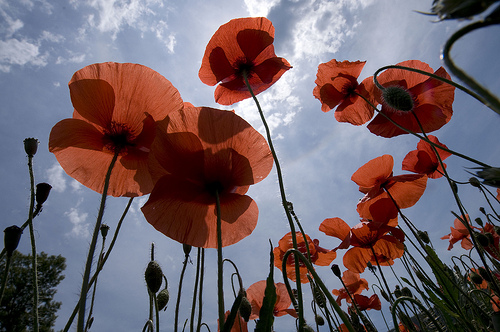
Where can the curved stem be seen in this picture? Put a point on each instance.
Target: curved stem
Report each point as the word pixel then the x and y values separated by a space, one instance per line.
pixel 33 246
pixel 414 301
pixel 90 257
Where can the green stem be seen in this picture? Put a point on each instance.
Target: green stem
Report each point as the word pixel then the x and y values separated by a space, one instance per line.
pixel 200 295
pixel 414 301
pixel 220 263
pixel 179 292
pixel 157 312
pixel 382 274
pixel 33 246
pixel 5 277
pixel 93 244
pixel 196 281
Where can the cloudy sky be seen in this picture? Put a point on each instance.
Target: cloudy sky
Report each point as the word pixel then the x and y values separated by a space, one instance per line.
pixel 42 43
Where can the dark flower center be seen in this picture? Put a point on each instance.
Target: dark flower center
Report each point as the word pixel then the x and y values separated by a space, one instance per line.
pixel 243 65
pixel 214 187
pixel 118 138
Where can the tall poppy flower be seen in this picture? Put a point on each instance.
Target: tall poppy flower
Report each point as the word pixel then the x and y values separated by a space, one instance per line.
pixel 337 86
pixel 116 107
pixel 423 160
pixel 459 233
pixel 432 100
pixel 255 294
pixel 198 151
pixel 239 324
pixel 243 45
pixel 376 181
pixel 319 255
pixel 353 284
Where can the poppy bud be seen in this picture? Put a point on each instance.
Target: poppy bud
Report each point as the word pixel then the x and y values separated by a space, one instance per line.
pixel 30 146
pixel 42 192
pixel 484 274
pixel 336 270
pixel 307 328
pixel 490 175
pixel 479 221
pixel 491 239
pixel 319 320
pixel 398 98
pixel 104 230
pixel 397 292
pixel 372 268
pixel 476 278
pixel 186 248
pixel 482 210
pixel 384 295
pixel 245 309
pixel 482 239
pixel 11 239
pixel 474 182
pixel 406 292
pixel 153 276
pixel 162 298
pixel 319 297
pixel 424 236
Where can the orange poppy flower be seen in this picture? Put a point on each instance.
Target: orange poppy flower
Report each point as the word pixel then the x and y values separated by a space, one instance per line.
pixel 353 283
pixel 239 323
pixel 337 86
pixel 241 45
pixel 197 151
pixel 423 160
pixel 375 179
pixel 116 106
pixel 364 237
pixel 494 241
pixel 459 233
pixel 367 303
pixel 255 294
pixel 319 255
pixel 432 100
pixel 498 194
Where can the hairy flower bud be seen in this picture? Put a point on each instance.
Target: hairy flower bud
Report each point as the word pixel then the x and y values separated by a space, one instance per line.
pixel 406 292
pixel 104 230
pixel 162 298
pixel 336 270
pixel 476 278
pixel 398 98
pixel 186 248
pixel 30 146
pixel 479 221
pixel 474 182
pixel 153 276
pixel 245 308
pixel 11 238
pixel 42 192
pixel 319 320
pixel 424 236
pixel 482 239
pixel 484 274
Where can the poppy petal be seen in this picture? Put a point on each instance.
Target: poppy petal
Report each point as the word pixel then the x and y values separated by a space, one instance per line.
pixel 373 172
pixel 93 99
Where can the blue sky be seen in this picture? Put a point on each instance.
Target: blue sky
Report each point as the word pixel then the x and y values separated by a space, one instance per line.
pixel 42 43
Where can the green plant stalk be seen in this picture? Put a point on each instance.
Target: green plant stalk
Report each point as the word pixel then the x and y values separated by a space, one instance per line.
pixel 284 202
pixel 33 245
pixel 220 263
pixel 101 264
pixel 93 244
pixel 382 274
pixel 414 301
pixel 95 287
pixel 157 312
pixel 5 277
pixel 200 295
pixel 319 282
pixel 196 281
pixel 179 292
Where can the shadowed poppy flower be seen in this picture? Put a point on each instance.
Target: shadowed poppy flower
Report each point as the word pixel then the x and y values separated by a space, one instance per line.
pixel 241 45
pixel 198 151
pixel 459 233
pixel 255 294
pixel 432 100
pixel 353 283
pixel 493 247
pixel 337 86
pixel 375 179
pixel 116 106
pixel 367 303
pixel 423 160
pixel 319 256
pixel 239 323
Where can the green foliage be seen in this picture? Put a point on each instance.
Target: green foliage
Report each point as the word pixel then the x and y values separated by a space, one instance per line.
pixel 17 303
pixel 266 314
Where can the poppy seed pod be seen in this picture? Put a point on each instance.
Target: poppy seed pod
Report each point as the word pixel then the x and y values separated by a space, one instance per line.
pixel 186 248
pixel 162 298
pixel 153 276
pixel 30 146
pixel 397 292
pixel 398 98
pixel 104 230
pixel 474 182
pixel 42 192
pixel 11 238
pixel 319 320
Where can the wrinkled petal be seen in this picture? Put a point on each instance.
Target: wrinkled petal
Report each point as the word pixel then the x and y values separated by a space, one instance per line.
pixel 373 173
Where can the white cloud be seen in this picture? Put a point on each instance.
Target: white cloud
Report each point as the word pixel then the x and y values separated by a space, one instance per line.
pixel 73 58
pixel 49 36
pixel 260 7
pixel 16 52
pixel 57 84
pixel 75 185
pixel 160 31
pixel 80 227
pixel 56 178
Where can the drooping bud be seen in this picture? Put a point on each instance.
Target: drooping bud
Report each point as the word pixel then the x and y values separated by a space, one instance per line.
pixel 406 292
pixel 424 236
pixel 336 270
pixel 476 278
pixel 484 274
pixel 104 230
pixel 474 182
pixel 11 239
pixel 30 146
pixel 397 292
pixel 491 239
pixel 482 239
pixel 245 308
pixel 370 267
pixel 162 298
pixel 319 320
pixel 479 221
pixel 186 248
pixel 398 98
pixel 153 276
pixel 482 210
pixel 384 295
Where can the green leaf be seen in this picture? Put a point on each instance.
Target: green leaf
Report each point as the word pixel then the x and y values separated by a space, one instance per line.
pixel 266 317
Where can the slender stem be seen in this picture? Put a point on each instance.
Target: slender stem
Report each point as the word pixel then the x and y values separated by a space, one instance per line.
pixel 90 257
pixel 220 263
pixel 89 317
pixel 179 292
pixel 157 312
pixel 33 246
pixel 200 295
pixel 414 301
pixel 5 277
pixel 196 281
pixel 381 273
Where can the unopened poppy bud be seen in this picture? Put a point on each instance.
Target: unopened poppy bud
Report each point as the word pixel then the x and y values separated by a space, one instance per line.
pixel 490 176
pixel 484 274
pixel 476 278
pixel 479 221
pixel 245 309
pixel 372 268
pixel 162 298
pixel 336 270
pixel 406 292
pixel 42 192
pixel 104 230
pixel 482 239
pixel 30 146
pixel 397 292
pixel 424 236
pixel 11 239
pixel 482 210
pixel 398 98
pixel 153 276
pixel 474 182
pixel 491 239
pixel 186 248
pixel 384 295
pixel 319 297
pixel 319 320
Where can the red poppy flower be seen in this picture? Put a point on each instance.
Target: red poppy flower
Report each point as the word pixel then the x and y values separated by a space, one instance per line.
pixel 337 86
pixel 367 303
pixel 255 294
pixel 197 151
pixel 459 233
pixel 319 256
pixel 239 323
pixel 353 283
pixel 116 109
pixel 493 247
pixel 241 45
pixel 432 100
pixel 375 179
pixel 364 237
pixel 423 160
